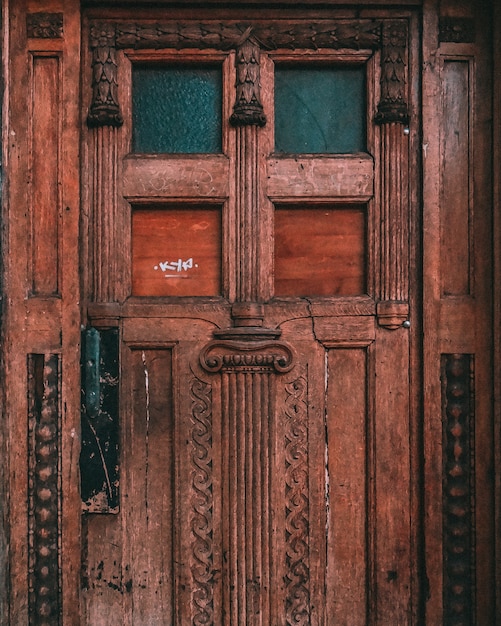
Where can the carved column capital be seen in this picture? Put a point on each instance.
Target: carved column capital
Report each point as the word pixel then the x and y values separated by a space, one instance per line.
pixel 259 356
pixel 393 104
pixel 104 108
pixel 248 109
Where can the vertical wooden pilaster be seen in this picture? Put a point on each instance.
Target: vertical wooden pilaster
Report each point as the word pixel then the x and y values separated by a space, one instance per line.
pixel 42 317
pixel 393 116
pixel 248 373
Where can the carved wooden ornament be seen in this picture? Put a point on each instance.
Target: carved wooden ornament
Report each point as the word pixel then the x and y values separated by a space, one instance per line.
pixel 248 40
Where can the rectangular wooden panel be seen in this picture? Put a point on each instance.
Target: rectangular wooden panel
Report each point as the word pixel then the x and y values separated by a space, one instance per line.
pixel 176 177
pixel 346 177
pixel 455 209
pixel 149 491
pixel 319 250
pixel 347 573
pixel 176 252
pixel 45 197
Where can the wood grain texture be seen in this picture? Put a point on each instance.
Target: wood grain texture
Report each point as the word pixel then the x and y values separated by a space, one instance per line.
pixel 176 252
pixel 347 178
pixel 45 174
pixel 347 429
pixel 180 177
pixel 456 216
pixel 319 251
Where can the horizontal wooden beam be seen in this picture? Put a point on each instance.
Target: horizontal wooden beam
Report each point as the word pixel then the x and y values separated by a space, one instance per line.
pixel 176 177
pixel 337 177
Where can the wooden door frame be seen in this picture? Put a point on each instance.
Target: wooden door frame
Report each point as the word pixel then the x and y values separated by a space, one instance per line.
pixel 47 325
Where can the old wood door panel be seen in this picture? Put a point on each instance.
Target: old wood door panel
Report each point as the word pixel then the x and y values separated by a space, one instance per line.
pixel 265 407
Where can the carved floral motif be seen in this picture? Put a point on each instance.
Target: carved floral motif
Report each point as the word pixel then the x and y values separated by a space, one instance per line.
pixel 44 25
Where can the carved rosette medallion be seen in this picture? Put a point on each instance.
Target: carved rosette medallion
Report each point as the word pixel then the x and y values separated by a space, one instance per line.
pixel 44 493
pixel 458 494
pixel 297 504
pixel 202 565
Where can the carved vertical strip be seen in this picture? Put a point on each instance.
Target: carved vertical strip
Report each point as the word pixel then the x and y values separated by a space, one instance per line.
pixel 106 222
pixel 44 574
pixel 45 197
pixel 393 102
pixel 246 402
pixel 247 412
pixel 458 495
pixel 392 112
pixel 202 566
pixel 393 307
pixel 297 504
pixel 247 214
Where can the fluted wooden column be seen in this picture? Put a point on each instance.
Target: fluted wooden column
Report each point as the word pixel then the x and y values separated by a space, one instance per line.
pixel 248 373
pixel 393 117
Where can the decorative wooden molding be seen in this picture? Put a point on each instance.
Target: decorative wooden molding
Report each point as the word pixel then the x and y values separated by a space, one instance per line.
pixel 249 370
pixel 104 109
pixel 44 25
pixel 393 104
pixel 297 521
pixel 271 35
pixel 202 565
pixel 458 494
pixel 456 30
pixel 250 356
pixel 106 219
pixel 107 37
pixel 44 490
pixel 248 110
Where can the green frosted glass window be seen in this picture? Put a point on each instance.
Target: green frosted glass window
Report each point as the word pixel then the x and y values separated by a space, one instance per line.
pixel 320 110
pixel 176 109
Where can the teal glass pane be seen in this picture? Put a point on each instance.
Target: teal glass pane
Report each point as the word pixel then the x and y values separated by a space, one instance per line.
pixel 176 109
pixel 320 110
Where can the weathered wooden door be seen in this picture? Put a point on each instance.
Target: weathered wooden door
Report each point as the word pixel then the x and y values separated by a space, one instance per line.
pixel 249 217
pixel 262 240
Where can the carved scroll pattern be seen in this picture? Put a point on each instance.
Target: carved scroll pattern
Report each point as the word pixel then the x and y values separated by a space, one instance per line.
pixel 458 527
pixel 202 566
pixel 44 491
pixel 297 503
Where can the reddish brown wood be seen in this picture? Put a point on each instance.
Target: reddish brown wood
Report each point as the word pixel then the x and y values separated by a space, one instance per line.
pixel 319 251
pixel 176 252
pixel 252 493
pixel 45 172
